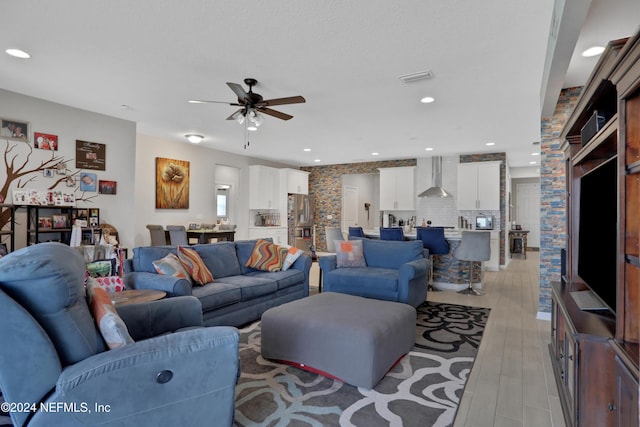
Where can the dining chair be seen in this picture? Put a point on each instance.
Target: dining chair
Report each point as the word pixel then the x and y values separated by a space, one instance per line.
pixel 475 246
pixel 158 237
pixel 178 235
pixel 434 241
pixel 391 233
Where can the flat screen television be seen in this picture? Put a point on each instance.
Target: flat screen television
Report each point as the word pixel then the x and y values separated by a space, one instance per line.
pixel 598 230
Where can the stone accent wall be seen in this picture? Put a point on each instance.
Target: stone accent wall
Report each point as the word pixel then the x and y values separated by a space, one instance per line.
pixel 502 217
pixel 553 210
pixel 325 187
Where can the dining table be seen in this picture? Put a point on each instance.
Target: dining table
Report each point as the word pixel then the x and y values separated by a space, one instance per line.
pixel 205 234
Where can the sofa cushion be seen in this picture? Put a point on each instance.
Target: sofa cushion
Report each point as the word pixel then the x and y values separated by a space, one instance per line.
pixel 266 256
pixel 253 286
pixel 284 279
pixel 170 265
pixel 144 256
pixel 369 280
pixel 192 262
pixel 220 258
pixel 391 254
pixel 244 248
pixel 349 253
pixel 293 254
pixel 216 294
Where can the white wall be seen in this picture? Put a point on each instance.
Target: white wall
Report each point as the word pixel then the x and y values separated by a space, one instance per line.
pixel 70 124
pixel 368 192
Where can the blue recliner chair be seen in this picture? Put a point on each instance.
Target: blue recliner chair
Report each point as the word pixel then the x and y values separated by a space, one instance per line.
pixel 53 356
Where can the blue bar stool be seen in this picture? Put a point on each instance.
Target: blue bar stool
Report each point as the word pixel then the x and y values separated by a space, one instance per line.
pixel 356 232
pixel 433 239
pixel 391 233
pixel 475 246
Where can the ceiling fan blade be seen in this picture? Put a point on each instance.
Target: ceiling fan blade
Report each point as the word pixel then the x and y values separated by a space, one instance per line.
pixel 235 114
pixel 204 101
pixel 283 101
pixel 275 113
pixel 239 91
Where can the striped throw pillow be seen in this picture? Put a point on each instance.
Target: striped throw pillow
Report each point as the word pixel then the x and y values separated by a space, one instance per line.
pixel 192 262
pixel 170 265
pixel 267 256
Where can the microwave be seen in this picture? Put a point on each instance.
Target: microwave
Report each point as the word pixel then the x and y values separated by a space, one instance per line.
pixel 484 222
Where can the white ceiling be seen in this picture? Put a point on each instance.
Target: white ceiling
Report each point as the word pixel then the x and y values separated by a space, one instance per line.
pixel 345 58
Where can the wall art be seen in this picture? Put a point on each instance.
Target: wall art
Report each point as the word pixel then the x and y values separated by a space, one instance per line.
pixel 107 187
pixel 172 184
pixel 45 141
pixel 14 129
pixel 90 155
pixel 88 181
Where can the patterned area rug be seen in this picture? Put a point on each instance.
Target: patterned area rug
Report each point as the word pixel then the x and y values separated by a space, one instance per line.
pixel 423 389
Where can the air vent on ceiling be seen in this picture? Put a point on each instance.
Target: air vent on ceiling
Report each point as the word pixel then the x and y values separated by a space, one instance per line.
pixel 421 75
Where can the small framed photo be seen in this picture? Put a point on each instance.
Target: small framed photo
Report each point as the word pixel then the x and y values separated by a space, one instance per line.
pixel 88 181
pixel 3 250
pixel 107 187
pixel 70 181
pixel 45 141
pixel 60 221
pixel 14 129
pixel 44 222
pixel 93 221
pixel 61 168
pixel 48 173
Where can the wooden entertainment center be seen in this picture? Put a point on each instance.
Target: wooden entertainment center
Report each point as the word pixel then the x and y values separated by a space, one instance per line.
pixel 595 354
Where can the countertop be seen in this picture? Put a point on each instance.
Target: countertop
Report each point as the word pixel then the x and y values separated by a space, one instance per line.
pixel 449 233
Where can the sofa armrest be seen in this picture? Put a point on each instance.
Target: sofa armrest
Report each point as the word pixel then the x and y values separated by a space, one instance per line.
pixel 412 269
pixel 159 381
pixel 327 263
pixel 173 286
pixel 150 319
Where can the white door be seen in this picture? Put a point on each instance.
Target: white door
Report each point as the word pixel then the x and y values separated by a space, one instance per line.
pixel 349 207
pixel 528 211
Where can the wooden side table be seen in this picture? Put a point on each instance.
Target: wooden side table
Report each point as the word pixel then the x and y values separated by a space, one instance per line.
pixel 133 296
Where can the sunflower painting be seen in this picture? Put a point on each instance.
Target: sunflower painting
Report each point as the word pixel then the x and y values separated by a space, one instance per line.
pixel 172 184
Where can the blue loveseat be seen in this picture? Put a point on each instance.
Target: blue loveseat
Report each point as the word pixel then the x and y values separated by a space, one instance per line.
pixel 395 271
pixel 238 294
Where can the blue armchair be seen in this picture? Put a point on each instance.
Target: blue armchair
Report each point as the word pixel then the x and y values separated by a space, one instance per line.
pixel 53 356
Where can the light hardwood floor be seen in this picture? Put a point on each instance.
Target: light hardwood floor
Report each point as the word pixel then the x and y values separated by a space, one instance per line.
pixel 511 383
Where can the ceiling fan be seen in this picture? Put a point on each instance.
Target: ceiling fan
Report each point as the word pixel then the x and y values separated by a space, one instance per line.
pixel 251 103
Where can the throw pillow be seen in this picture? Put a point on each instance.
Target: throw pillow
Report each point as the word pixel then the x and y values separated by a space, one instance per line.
pixel 102 267
pixel 111 284
pixel 192 262
pixel 293 254
pixel 111 326
pixel 170 265
pixel 349 253
pixel 266 256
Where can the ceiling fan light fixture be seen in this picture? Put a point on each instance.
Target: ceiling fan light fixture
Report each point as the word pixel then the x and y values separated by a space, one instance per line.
pixel 252 128
pixel 240 118
pixel 194 138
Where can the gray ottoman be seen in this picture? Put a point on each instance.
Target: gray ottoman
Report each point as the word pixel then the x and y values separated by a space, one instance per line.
pixel 354 339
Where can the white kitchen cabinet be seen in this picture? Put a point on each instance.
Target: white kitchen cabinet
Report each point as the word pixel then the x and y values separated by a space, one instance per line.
pixel 479 186
pixel 397 189
pixel 278 234
pixel 264 187
pixel 297 181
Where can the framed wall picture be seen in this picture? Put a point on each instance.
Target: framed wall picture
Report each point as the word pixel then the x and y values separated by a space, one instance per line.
pixel 14 129
pixel 3 250
pixel 88 181
pixel 45 222
pixel 90 155
pixel 60 221
pixel 107 187
pixel 172 184
pixel 45 141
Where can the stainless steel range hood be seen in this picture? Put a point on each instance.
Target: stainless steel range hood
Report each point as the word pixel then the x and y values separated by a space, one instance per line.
pixel 436 180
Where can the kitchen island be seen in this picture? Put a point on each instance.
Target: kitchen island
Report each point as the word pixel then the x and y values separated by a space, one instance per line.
pixel 449 273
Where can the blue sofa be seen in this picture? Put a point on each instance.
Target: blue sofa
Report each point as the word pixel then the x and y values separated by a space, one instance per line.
pixel 238 295
pixel 395 271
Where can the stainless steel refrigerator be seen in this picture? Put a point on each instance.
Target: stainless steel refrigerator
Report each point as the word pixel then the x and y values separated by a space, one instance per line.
pixel 300 221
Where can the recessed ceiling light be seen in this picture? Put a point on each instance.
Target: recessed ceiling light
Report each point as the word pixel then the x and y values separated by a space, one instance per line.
pixel 317 160
pixel 375 154
pixel 307 149
pixel 429 149
pixel 489 144
pixel 427 99
pixel 535 154
pixel 125 107
pixel 193 138
pixel 195 101
pixel 18 53
pixel 252 128
pixel 593 51
pixel 533 163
